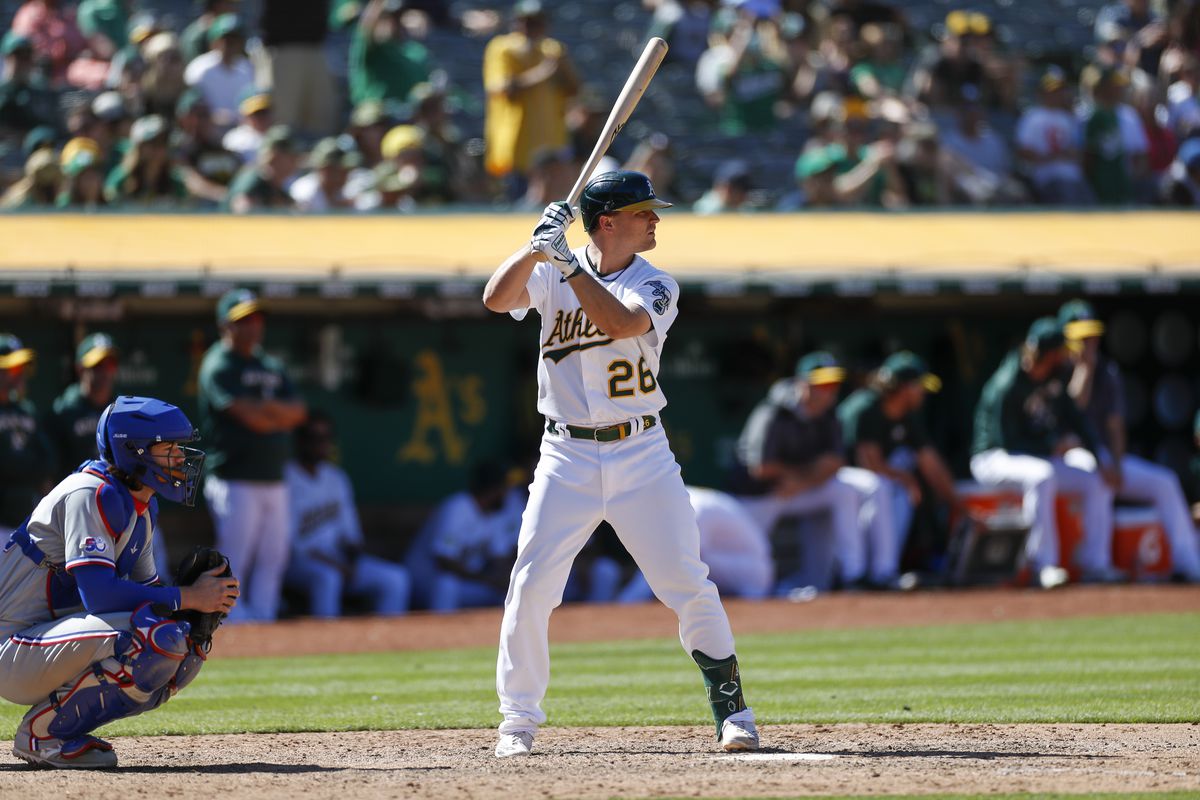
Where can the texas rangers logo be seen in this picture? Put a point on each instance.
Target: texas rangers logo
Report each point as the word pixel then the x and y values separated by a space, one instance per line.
pixel 662 297
pixel 93 545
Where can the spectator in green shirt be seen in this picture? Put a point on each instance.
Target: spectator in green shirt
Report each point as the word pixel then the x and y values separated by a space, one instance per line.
pixel 83 178
pixel 194 39
pixel 72 422
pixel 26 99
pixel 146 175
pixel 885 433
pixel 248 410
pixel 1029 432
pixel 1107 161
pixel 743 75
pixel 882 72
pixel 384 63
pixel 25 452
pixel 104 23
pixel 262 186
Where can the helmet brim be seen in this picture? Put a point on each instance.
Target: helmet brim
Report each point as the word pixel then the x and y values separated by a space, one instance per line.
pixel 642 205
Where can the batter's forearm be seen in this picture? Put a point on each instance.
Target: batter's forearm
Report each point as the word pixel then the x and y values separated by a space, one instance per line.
pixel 506 287
pixel 605 311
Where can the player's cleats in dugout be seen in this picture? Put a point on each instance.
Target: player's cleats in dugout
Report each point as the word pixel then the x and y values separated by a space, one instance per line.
pixel 84 752
pixel 738 733
pixel 514 744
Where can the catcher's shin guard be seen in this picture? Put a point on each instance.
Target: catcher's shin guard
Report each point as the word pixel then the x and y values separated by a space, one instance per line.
pixel 147 666
pixel 723 681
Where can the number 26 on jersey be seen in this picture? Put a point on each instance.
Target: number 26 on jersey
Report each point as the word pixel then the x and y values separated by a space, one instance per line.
pixel 620 382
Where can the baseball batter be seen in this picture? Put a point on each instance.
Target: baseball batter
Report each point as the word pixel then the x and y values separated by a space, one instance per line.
pixel 84 636
pixel 605 313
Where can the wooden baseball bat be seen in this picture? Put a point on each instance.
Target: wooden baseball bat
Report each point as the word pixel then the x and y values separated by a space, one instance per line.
pixel 635 87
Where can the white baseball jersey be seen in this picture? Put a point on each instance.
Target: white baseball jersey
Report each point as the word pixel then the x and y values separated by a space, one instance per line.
pixel 322 513
pixel 71 528
pixel 584 376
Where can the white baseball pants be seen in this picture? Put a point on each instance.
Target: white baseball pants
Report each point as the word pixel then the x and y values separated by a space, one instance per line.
pixel 1144 481
pixel 636 485
pixel 1041 479
pixel 385 583
pixel 251 519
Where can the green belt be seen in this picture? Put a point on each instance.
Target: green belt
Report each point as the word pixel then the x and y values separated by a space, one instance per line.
pixel 611 433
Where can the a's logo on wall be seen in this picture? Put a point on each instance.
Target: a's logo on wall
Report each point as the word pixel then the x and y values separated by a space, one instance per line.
pixel 445 404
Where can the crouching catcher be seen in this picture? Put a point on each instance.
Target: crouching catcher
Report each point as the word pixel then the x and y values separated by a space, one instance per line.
pixel 88 632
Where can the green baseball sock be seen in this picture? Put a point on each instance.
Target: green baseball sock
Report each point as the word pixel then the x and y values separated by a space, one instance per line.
pixel 724 684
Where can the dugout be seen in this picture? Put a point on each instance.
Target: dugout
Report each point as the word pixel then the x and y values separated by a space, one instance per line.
pixel 380 322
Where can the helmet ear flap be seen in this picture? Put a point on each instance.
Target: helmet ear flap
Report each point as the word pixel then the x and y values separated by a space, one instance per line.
pixel 102 440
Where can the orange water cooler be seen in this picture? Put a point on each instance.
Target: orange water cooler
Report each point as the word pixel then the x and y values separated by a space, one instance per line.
pixel 1140 544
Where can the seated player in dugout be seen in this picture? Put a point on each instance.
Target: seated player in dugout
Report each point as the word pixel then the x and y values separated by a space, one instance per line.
pixel 88 633
pixel 885 433
pixel 328 561
pixel 1097 389
pixel 1029 431
pixel 791 462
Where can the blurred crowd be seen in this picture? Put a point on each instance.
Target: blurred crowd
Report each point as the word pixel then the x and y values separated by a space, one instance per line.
pixel 836 485
pixel 348 105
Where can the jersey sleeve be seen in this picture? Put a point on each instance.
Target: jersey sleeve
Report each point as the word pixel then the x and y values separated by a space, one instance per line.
pixel 538 287
pixel 351 525
pixel 453 537
pixel 87 537
pixel 659 295
pixel 218 382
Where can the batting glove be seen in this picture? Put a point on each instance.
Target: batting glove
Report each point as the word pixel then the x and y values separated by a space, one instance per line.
pixel 557 215
pixel 552 244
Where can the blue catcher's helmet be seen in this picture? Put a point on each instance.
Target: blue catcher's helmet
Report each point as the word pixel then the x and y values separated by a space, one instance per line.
pixel 131 425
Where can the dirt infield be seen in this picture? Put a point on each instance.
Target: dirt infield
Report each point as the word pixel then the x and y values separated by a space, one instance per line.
pixel 797 760
pixel 642 762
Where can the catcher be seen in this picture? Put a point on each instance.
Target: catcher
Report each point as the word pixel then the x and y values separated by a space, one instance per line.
pixel 88 633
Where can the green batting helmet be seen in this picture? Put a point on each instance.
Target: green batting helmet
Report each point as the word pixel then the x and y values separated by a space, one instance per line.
pixel 623 190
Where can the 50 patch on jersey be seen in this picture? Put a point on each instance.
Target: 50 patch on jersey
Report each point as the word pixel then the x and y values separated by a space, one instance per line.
pixel 93 545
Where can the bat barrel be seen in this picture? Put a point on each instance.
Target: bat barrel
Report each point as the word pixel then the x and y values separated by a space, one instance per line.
pixel 635 86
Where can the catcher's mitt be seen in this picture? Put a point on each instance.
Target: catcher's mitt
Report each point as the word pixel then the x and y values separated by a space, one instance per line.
pixel 193 565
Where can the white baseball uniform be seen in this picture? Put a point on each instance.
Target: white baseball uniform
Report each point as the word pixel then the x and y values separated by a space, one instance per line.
pixel 324 530
pixel 474 539
pixel 588 379
pixel 732 544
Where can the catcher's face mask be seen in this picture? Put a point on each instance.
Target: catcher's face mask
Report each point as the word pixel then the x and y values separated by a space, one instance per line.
pixel 173 470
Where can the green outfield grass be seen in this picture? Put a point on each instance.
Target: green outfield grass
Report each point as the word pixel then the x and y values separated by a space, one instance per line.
pixel 1116 669
pixel 1032 796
